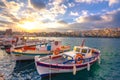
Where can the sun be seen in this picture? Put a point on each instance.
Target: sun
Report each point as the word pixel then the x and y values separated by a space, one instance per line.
pixel 28 26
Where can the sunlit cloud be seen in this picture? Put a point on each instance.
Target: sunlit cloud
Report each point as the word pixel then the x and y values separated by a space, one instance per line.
pixel 58 15
pixel 12 6
pixel 112 2
pixel 89 1
pixel 84 12
pixel 109 19
pixel 58 9
pixel 74 13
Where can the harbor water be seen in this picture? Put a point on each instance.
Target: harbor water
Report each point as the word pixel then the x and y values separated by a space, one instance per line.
pixel 109 69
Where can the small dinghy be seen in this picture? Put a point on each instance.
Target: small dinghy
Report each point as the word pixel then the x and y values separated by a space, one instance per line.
pixel 28 53
pixel 72 61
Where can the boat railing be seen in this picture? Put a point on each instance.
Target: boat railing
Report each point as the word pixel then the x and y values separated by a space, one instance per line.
pixel 90 59
pixel 84 60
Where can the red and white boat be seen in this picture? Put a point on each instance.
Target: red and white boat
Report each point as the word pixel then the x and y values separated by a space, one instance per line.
pixel 80 58
pixel 43 49
pixel 21 41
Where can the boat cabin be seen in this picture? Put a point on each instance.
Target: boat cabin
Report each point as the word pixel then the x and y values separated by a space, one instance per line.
pixel 50 46
pixel 84 51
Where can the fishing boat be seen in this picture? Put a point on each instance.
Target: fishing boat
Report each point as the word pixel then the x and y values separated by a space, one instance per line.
pixel 79 58
pixel 19 42
pixel 43 49
pixel 30 43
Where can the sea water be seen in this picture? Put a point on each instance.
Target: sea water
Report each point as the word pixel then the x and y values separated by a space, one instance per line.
pixel 109 69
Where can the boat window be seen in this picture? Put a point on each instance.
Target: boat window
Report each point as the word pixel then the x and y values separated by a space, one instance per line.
pixel 84 51
pixel 77 50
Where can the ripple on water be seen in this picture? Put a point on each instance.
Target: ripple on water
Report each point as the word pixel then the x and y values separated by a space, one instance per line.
pixel 6 65
pixel 107 70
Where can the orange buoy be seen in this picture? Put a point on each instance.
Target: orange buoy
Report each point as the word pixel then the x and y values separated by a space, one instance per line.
pixel 56 52
pixel 78 58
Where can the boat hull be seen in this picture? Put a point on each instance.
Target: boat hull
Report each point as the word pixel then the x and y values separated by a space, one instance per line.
pixel 46 69
pixel 27 56
pixel 30 54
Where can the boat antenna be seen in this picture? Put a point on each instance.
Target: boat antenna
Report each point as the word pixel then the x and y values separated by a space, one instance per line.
pixel 83 42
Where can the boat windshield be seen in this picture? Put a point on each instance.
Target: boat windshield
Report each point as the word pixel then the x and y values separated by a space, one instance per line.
pixel 77 49
pixel 84 51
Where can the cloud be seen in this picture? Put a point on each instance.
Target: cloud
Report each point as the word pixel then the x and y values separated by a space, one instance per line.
pixel 74 13
pixel 58 9
pixel 113 18
pixel 109 19
pixel 80 26
pixel 58 2
pixel 84 19
pixel 84 12
pixel 2 5
pixel 112 2
pixel 38 4
pixel 55 12
pixel 4 22
pixel 12 6
pixel 71 4
pixel 62 22
pixel 9 15
pixel 89 1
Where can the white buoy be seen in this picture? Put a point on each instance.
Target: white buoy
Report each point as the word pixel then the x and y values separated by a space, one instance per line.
pixel 88 66
pixel 74 69
pixel 99 61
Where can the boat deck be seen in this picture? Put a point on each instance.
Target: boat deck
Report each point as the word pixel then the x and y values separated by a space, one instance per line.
pixel 59 60
pixel 62 60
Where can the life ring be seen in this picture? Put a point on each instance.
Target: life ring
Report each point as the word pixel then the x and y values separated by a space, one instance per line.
pixel 56 52
pixel 78 58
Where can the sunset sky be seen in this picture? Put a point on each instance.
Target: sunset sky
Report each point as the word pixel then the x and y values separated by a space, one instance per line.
pixel 59 15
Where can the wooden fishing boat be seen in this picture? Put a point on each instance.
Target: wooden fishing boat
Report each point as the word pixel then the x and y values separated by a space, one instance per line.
pixel 31 43
pixel 19 42
pixel 80 58
pixel 28 53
